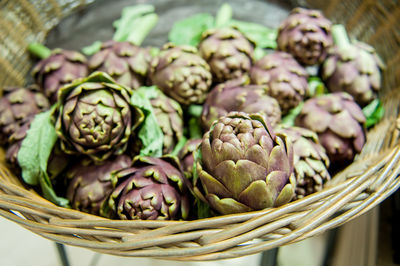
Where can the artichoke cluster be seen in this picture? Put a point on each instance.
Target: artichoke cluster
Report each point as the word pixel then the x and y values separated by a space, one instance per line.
pixel 242 158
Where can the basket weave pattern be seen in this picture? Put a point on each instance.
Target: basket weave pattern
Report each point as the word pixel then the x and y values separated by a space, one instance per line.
pixel 361 186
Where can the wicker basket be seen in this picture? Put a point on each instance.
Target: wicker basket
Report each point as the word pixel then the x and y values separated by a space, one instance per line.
pixel 364 184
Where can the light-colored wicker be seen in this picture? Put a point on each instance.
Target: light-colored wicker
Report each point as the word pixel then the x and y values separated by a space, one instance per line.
pixel 362 186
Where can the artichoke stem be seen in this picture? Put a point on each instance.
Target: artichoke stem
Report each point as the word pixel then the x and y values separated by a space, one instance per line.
pixel 143 26
pixel 39 50
pixel 340 37
pixel 224 15
pixel 181 143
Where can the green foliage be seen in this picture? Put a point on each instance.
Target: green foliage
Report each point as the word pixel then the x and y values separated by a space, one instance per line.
pixel 34 154
pixel 373 112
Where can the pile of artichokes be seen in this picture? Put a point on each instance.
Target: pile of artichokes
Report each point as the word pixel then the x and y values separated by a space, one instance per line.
pixel 129 133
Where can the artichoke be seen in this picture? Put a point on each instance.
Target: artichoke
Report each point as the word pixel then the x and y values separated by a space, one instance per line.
pixel 186 156
pixel 228 52
pixel 228 97
pixel 244 166
pixel 17 108
pixel 60 68
pixel 16 142
pixel 284 78
pixel 151 189
pixel 310 160
pixel 95 118
pixel 128 64
pixel 339 122
pixel 90 185
pixel 181 74
pixel 306 34
pixel 170 119
pixel 355 69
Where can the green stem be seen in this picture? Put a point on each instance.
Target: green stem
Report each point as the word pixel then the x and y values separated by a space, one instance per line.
pixel 179 146
pixel 195 131
pixel 339 35
pixel 224 15
pixel 39 50
pixel 142 28
pixel 195 110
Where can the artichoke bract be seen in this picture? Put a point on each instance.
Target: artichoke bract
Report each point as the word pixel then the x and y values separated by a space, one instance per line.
pixel 339 122
pixel 128 64
pixel 95 118
pixel 90 184
pixel 284 79
pixel 306 34
pixel 228 52
pixel 150 189
pixel 181 74
pixel 244 166
pixel 228 97
pixel 169 116
pixel 60 68
pixel 352 68
pixel 310 160
pixel 17 108
pixel 186 156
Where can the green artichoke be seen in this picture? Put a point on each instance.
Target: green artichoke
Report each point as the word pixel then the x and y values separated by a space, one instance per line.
pixel 284 79
pixel 95 118
pixel 310 160
pixel 151 189
pixel 339 122
pixel 186 156
pixel 126 63
pixel 306 34
pixel 181 74
pixel 60 68
pixel 17 108
pixel 170 119
pixel 228 52
pixel 228 97
pixel 355 69
pixel 244 166
pixel 90 185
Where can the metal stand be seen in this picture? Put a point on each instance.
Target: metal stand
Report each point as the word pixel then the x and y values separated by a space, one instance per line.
pixel 63 254
pixel 269 257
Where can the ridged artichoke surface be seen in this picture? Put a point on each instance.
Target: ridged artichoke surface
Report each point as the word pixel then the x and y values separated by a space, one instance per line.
pixel 228 52
pixel 244 166
pixel 181 74
pixel 306 34
pixel 310 160
pixel 228 97
pixel 284 79
pixel 355 69
pixel 95 117
pixel 126 63
pixel 18 107
pixel 60 68
pixel 150 189
pixel 90 184
pixel 339 122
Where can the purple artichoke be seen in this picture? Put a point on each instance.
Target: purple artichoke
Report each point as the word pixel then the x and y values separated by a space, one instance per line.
pixel 310 160
pixel 126 63
pixel 228 97
pixel 95 117
pixel 181 74
pixel 18 106
pixel 60 68
pixel 355 69
pixel 150 189
pixel 228 52
pixel 339 123
pixel 90 184
pixel 244 166
pixel 284 79
pixel 306 34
